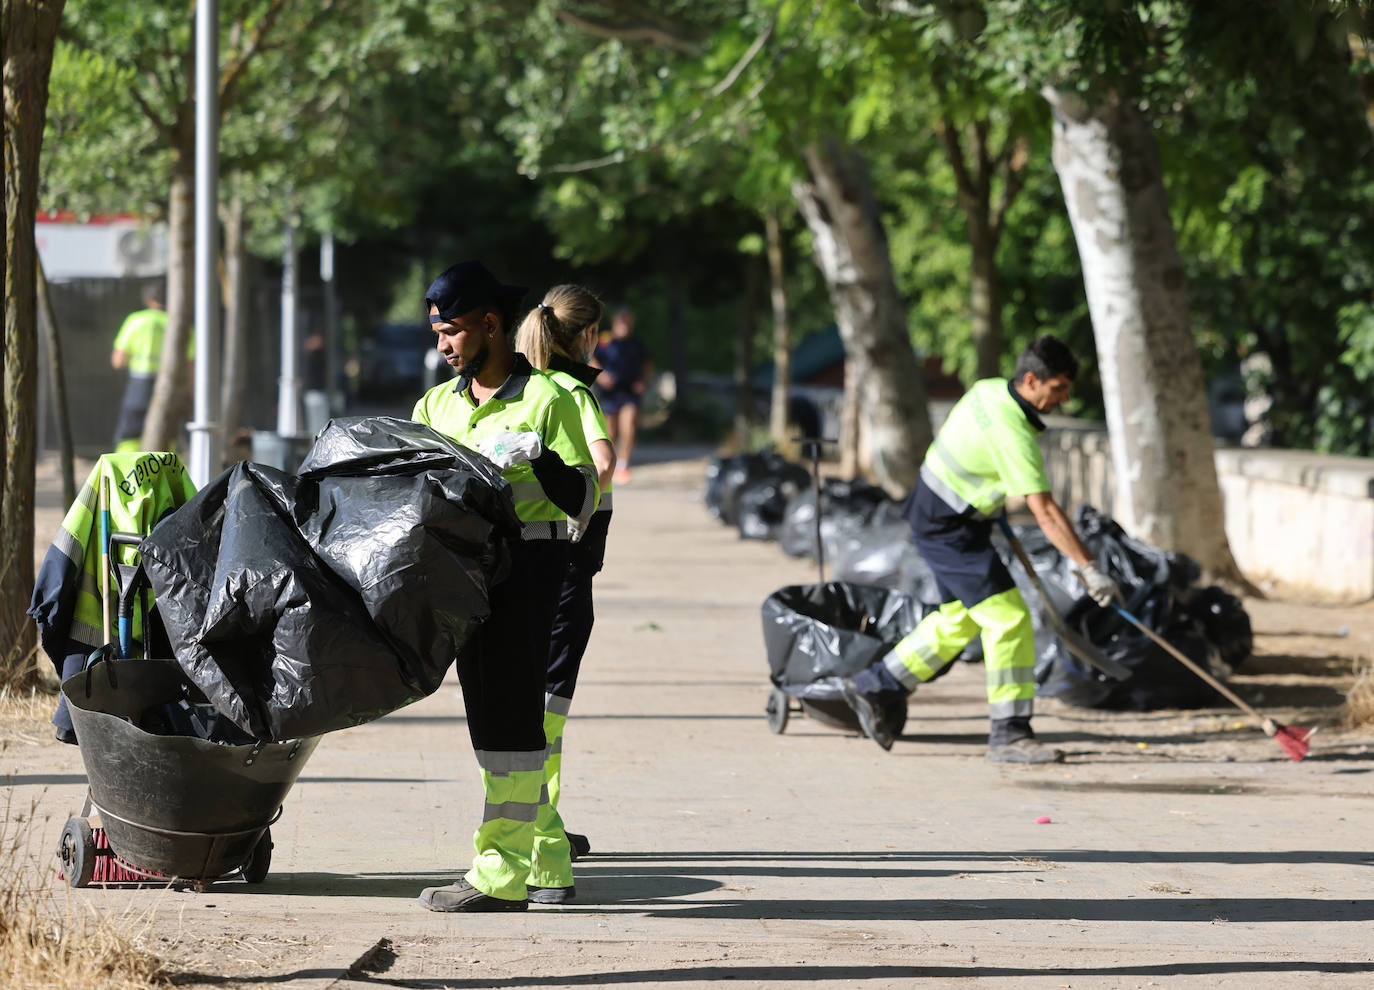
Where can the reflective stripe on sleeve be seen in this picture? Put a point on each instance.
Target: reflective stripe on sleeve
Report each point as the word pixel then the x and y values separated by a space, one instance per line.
pixel 545 529
pixel 70 547
pixel 589 499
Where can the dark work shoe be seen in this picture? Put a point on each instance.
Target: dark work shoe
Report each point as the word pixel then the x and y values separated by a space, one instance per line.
pixel 463 896
pixel 578 844
pixel 1026 750
pixel 551 895
pixel 870 717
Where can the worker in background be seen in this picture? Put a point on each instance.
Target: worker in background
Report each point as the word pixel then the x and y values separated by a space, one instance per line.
pixel 558 336
pixel 138 347
pixel 530 429
pixel 985 451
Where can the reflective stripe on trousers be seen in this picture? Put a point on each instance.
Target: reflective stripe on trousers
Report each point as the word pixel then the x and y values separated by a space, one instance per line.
pixel 551 862
pixel 514 788
pixel 1008 650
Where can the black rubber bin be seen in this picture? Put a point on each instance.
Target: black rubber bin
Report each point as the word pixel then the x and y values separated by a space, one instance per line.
pixel 184 807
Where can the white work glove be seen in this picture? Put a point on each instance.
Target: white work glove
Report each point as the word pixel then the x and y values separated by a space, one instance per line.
pixel 1101 588
pixel 577 527
pixel 506 449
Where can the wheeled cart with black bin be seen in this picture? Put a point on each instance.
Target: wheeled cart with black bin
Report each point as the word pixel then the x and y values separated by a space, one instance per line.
pixel 816 634
pixel 173 807
pixel 182 794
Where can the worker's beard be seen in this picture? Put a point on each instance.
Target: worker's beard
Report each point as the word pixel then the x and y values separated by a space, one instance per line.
pixel 473 366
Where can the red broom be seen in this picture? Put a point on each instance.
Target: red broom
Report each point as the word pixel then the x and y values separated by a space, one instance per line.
pixel 1293 738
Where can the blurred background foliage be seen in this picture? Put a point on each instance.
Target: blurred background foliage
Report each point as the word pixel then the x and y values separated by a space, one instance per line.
pixel 636 147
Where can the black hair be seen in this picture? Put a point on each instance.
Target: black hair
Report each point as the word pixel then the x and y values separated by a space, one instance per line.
pixel 1045 358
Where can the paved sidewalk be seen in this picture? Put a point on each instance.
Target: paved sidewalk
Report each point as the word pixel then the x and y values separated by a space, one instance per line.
pixel 1179 852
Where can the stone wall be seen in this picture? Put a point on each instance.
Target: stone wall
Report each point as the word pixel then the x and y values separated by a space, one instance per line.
pixel 1296 521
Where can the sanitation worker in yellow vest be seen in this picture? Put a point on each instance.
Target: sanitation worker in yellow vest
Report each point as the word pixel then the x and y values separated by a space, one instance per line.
pixel 986 450
pixel 138 347
pixel 531 430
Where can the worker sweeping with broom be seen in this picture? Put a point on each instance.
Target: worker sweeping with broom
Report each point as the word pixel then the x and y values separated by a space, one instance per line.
pixel 985 451
pixel 531 429
pixel 557 336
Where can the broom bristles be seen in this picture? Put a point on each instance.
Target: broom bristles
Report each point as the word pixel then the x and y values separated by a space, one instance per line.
pixel 1294 739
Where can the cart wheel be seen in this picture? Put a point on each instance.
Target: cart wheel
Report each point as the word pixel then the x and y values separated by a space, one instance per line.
pixel 76 850
pixel 777 710
pixel 255 870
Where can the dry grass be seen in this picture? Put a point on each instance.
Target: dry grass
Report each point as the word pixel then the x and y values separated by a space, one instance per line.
pixel 1359 700
pixel 25 715
pixel 50 938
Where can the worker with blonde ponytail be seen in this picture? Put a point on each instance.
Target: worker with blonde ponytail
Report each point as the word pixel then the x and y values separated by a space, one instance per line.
pixel 557 337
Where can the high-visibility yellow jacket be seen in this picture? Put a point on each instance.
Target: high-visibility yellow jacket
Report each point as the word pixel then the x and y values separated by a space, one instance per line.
pixel 528 401
pixel 67 602
pixel 986 450
pixel 575 379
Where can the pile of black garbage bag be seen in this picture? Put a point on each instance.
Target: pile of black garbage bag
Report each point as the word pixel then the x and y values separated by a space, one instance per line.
pixel 752 491
pixel 303 603
pixel 1161 588
pixel 866 541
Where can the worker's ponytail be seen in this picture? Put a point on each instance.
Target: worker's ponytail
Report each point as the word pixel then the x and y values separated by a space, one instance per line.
pixel 554 326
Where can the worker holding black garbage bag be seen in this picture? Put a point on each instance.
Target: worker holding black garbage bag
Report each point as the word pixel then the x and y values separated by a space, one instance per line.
pixel 986 451
pixel 531 429
pixel 557 336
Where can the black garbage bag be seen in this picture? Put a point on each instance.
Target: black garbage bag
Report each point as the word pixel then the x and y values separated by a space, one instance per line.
pixel 847 507
pixel 815 631
pixel 884 555
pixel 1157 679
pixel 1224 622
pixel 1159 588
pixel 729 477
pixel 762 503
pixel 715 467
pixel 300 604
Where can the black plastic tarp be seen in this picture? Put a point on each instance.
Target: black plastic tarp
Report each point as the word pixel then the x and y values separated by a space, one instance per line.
pixel 300 604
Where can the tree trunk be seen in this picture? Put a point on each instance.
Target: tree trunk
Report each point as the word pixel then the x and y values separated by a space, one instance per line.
pixel 851 249
pixel 29 28
pixel 744 354
pixel 171 405
pixel 1162 448
pixel 850 429
pixel 782 334
pixel 57 380
pixel 983 297
pixel 235 332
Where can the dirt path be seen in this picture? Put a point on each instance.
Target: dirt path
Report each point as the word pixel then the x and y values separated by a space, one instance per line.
pixel 1182 850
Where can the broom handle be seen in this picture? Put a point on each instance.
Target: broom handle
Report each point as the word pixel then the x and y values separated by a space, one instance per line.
pixel 1178 655
pixel 104 530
